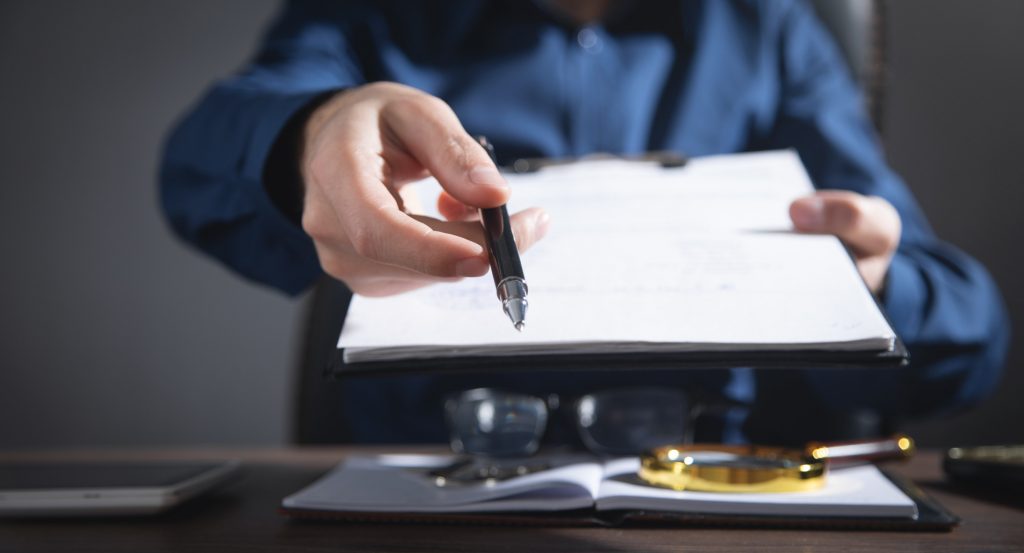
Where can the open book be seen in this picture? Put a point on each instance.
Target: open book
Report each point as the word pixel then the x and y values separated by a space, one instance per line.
pixel 404 484
pixel 652 261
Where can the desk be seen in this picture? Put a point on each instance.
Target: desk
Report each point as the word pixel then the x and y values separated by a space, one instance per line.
pixel 243 517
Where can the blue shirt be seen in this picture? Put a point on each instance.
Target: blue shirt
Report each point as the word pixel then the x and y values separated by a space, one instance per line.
pixel 697 77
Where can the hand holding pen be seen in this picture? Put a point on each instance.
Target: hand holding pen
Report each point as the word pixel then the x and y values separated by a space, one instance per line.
pixel 361 147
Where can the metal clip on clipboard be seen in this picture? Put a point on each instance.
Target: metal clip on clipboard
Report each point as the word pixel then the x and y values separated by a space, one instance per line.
pixel 665 158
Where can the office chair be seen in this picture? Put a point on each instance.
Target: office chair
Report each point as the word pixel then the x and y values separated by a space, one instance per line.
pixel 859 28
pixel 319 415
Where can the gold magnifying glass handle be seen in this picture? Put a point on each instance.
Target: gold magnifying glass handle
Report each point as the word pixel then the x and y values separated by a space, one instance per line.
pixel 897 446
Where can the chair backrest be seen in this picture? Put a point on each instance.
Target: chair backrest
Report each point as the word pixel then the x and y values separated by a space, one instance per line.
pixel 319 416
pixel 319 413
pixel 859 29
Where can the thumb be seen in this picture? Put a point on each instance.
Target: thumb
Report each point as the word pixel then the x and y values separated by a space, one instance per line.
pixel 869 225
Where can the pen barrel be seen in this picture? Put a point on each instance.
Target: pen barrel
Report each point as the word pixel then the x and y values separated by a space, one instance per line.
pixel 501 244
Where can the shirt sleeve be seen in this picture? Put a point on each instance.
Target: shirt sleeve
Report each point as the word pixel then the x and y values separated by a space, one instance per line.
pixel 942 302
pixel 211 178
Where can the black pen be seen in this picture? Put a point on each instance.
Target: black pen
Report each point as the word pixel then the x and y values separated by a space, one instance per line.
pixel 506 268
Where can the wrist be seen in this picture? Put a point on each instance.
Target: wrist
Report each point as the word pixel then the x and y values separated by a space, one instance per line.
pixel 282 174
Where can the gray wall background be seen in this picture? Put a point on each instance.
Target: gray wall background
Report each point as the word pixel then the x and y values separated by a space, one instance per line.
pixel 112 333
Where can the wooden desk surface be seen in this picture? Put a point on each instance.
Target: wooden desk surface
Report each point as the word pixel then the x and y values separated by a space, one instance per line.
pixel 244 518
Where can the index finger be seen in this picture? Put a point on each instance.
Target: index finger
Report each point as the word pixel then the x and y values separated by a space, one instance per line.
pixel 432 133
pixel 379 230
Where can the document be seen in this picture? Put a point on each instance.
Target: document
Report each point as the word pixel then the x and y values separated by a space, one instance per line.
pixel 641 258
pixel 403 484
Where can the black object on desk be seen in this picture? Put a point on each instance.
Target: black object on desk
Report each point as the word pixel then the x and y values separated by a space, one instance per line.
pixel 999 467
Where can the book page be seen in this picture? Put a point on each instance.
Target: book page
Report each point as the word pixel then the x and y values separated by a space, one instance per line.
pixel 402 483
pixel 860 491
pixel 641 258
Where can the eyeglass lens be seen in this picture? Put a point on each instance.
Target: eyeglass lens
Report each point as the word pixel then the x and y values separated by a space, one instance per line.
pixel 496 424
pixel 627 422
pixel 493 423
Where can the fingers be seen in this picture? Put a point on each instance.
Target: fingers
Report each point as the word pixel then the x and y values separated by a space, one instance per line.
pixel 372 279
pixel 528 227
pixel 431 132
pixel 368 278
pixel 359 155
pixel 869 225
pixel 410 200
pixel 454 210
pixel 376 227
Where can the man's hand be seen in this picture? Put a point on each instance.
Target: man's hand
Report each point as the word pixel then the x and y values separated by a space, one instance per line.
pixel 360 150
pixel 868 225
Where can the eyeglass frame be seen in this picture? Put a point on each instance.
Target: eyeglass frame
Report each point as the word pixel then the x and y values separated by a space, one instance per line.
pixel 553 403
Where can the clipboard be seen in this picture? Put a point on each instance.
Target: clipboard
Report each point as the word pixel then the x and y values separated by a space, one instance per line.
pixel 824 358
pixel 895 358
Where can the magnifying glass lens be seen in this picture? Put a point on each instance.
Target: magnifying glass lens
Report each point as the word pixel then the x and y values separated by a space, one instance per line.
pixel 738 469
pixel 738 461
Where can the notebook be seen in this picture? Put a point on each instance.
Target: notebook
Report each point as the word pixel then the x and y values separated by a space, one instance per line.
pixel 645 263
pixel 405 488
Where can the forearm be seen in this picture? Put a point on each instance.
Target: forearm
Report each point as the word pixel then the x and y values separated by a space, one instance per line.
pixel 948 311
pixel 212 186
pixel 228 180
pixel 941 302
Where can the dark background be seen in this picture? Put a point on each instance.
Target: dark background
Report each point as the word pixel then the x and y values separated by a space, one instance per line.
pixel 114 333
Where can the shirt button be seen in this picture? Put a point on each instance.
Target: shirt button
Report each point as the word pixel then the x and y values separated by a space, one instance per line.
pixel 588 40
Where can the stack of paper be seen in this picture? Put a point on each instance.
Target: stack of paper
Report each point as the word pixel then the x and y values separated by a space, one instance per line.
pixel 645 259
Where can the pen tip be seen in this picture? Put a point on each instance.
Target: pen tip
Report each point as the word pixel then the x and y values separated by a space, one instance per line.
pixel 520 325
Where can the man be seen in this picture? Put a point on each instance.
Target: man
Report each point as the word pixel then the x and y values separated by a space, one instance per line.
pixel 297 166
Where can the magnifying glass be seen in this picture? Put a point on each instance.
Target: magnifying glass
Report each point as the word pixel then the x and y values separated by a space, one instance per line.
pixel 759 469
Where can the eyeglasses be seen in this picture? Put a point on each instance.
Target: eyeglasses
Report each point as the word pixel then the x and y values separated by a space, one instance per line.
pixel 493 423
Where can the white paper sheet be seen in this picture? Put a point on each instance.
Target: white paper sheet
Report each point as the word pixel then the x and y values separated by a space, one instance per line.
pixel 399 483
pixel 640 258
pixel 851 492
